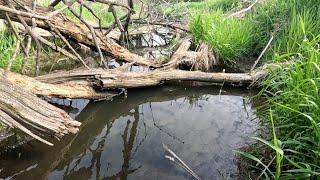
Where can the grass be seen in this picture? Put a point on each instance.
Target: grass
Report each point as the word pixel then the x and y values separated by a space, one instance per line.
pixel 100 10
pixel 201 6
pixel 232 39
pixel 293 96
pixel 7 47
pixel 292 92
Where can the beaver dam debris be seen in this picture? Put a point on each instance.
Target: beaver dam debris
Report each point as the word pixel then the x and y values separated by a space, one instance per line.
pixel 21 108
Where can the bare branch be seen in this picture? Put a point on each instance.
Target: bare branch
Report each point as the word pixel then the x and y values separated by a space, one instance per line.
pixel 21 13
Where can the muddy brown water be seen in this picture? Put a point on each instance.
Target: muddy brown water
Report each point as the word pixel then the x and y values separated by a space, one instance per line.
pixel 123 138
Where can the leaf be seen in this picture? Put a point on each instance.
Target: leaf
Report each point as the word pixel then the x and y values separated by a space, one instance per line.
pixel 296 176
pixel 247 155
pixel 277 149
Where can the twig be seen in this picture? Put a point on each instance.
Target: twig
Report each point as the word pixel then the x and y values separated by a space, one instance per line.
pixel 25 57
pixel 243 10
pixel 53 13
pixel 260 56
pixel 94 36
pixel 171 25
pixel 126 24
pixel 15 32
pixel 21 13
pixel 264 170
pixel 92 12
pixel 16 51
pixel 29 30
pixel 113 2
pixel 118 22
pixel 68 44
pixel 54 3
pixel 184 165
pixel 39 47
pixel 113 25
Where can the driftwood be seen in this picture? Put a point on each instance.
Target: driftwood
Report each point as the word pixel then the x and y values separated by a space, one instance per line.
pixel 202 59
pixel 51 90
pixel 20 108
pixel 112 79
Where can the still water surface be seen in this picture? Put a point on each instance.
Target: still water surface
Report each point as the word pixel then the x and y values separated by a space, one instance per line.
pixel 123 138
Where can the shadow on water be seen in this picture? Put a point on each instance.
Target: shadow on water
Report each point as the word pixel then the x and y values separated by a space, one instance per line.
pixel 122 139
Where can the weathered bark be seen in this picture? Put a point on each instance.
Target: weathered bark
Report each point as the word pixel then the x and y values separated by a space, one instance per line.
pixel 60 91
pixel 117 79
pixel 20 108
pixel 202 59
pixel 75 30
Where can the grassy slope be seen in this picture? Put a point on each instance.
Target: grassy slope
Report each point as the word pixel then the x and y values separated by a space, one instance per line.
pixel 292 93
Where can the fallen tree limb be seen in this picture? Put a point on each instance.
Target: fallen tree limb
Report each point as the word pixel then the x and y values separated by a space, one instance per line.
pixel 20 108
pixel 119 79
pixel 77 91
pixel 200 60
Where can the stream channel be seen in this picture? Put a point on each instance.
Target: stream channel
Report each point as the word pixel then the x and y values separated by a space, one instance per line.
pixel 124 138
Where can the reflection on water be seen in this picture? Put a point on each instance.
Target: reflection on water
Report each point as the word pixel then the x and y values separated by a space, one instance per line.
pixel 123 138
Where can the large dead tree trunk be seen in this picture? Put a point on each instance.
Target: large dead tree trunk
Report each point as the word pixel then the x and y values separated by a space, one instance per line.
pixel 113 79
pixel 79 91
pixel 20 108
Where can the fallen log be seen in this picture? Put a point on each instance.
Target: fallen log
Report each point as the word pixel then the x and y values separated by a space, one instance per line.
pixel 20 109
pixel 78 91
pixel 118 79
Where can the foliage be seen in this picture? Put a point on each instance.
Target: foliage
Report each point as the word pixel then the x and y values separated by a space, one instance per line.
pixel 292 94
pixel 100 10
pixel 7 47
pixel 232 39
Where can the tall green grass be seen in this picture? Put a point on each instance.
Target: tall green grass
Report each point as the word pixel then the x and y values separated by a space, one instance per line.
pixel 7 47
pixel 232 39
pixel 292 94
pixel 204 5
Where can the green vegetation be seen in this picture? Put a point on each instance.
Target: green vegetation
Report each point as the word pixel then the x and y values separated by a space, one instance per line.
pixel 100 11
pixel 7 47
pixel 200 6
pixel 291 93
pixel 232 39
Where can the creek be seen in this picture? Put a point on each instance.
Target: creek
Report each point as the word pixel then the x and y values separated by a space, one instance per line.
pixel 124 138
